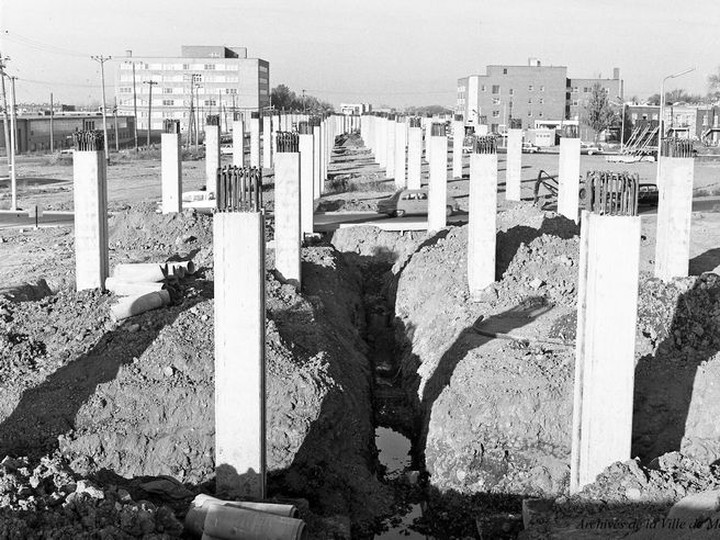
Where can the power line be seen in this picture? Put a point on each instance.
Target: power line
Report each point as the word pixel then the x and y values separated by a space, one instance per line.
pixel 53 83
pixel 39 45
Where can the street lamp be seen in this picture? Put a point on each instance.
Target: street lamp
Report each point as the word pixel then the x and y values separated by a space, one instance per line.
pixel 662 112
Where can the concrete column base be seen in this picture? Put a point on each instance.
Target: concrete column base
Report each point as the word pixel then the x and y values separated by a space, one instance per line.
pixel 605 345
pixel 287 217
pixel 513 165
pixel 171 172
pixel 672 248
pixel 437 192
pixel 212 156
pixel 240 425
pixel 415 142
pixel 482 222
pixel 307 174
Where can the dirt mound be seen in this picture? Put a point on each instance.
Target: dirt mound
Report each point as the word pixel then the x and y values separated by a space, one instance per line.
pixel 46 499
pixel 137 398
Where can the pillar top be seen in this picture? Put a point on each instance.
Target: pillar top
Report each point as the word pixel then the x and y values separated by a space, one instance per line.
pixel 437 130
pixel 212 120
pixel 677 148
pixel 484 144
pixel 89 141
pixel 288 141
pixel 238 189
pixel 612 193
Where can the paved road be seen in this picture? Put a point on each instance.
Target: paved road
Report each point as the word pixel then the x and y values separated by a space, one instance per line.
pixel 328 221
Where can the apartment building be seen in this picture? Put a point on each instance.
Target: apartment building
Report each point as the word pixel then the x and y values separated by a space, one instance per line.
pixel 203 80
pixel 530 96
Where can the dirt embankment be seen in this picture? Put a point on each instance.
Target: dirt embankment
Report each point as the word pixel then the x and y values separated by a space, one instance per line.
pixel 137 398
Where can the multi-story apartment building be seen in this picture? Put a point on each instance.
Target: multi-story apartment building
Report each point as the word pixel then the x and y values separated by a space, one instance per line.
pixel 204 79
pixel 531 95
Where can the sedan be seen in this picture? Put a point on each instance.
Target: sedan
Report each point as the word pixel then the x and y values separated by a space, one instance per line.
pixel 412 202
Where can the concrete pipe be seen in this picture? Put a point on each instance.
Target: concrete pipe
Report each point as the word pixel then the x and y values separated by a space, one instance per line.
pixel 131 288
pixel 230 523
pixel 286 510
pixel 135 305
pixel 139 272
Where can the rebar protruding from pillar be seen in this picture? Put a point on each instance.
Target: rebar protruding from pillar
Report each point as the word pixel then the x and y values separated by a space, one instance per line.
pixel 484 145
pixel 612 193
pixel 677 148
pixel 212 120
pixel 287 141
pixel 415 122
pixel 88 141
pixel 516 123
pixel 238 189
pixel 304 128
pixel 437 130
pixel 458 117
pixel 570 131
pixel 171 126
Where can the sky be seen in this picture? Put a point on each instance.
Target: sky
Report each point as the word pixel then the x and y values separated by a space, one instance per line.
pixel 386 52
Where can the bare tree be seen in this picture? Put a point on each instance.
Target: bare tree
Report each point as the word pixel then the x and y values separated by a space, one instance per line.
pixel 714 85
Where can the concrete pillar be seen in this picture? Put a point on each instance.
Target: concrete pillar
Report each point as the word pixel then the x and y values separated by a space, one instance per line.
pixel 381 141
pixel 212 155
pixel 605 344
pixel 239 266
pixel 569 178
pixel 482 221
pixel 317 182
pixel 390 152
pixel 400 154
pixel 481 130
pixel 267 142
pixel 458 131
pixel 323 152
pixel 287 216
pixel 307 175
pixel 437 192
pixel 428 147
pixel 513 165
pixel 255 142
pixel 672 247
pixel 330 144
pixel 90 199
pixel 238 143
pixel 171 172
pixel 415 143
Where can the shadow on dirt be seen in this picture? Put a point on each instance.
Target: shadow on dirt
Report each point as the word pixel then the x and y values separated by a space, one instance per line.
pixel 705 262
pixel 665 380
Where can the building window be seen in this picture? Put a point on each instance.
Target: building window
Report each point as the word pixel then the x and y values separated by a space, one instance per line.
pixel 88 125
pixel 167 90
pixel 530 88
pixel 168 102
pixel 482 88
pixel 504 71
pixel 186 66
pixel 209 66
pixel 231 90
pixel 542 88
pixel 541 101
pixel 125 90
pixel 529 100
pixel 575 102
pixel 529 113
pixel 496 101
pixel 575 89
pixel 540 114
pixel 494 128
pixel 512 91
pixel 496 89
pixel 496 114
pixel 210 102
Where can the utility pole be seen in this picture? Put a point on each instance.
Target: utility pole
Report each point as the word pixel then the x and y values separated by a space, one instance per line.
pixel 101 60
pixel 117 139
pixel 303 100
pixel 9 142
pixel 52 130
pixel 135 108
pixel 13 116
pixel 13 146
pixel 151 84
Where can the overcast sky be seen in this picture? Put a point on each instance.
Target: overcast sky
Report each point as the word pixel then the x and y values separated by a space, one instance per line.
pixel 393 52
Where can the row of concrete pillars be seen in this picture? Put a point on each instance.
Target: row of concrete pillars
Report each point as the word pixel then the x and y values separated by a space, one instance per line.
pixel 606 301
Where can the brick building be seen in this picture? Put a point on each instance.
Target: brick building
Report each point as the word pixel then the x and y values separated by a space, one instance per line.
pixel 531 95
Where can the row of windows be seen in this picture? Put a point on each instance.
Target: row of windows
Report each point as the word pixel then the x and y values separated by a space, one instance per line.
pixel 496 114
pixel 182 91
pixel 497 101
pixel 128 65
pixel 496 89
pixel 587 89
pixel 183 78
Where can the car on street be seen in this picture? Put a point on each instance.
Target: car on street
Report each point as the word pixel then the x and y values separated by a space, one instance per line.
pixel 408 202
pixel 202 201
pixel 530 148
pixel 589 148
pixel 648 195
pixel 226 149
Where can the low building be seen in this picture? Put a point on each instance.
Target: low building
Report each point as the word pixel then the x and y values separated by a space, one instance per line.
pixel 697 122
pixel 355 108
pixel 202 81
pixel 33 132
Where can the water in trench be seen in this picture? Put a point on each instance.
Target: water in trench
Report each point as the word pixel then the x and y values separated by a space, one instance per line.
pixel 394 455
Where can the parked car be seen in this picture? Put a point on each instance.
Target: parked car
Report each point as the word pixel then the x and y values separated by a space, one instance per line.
pixel 226 149
pixel 648 195
pixel 202 201
pixel 412 202
pixel 589 148
pixel 530 148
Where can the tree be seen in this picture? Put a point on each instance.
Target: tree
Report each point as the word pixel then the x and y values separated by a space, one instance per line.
pixel 714 86
pixel 599 115
pixel 282 97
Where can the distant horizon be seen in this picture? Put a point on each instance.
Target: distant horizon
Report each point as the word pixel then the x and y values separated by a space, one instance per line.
pixel 395 54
